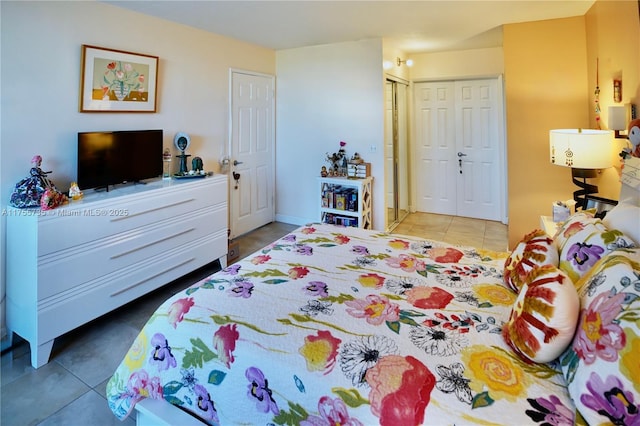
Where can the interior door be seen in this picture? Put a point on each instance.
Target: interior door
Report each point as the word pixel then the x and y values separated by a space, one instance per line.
pixel 252 178
pixel 435 147
pixel 458 144
pixel 402 150
pixel 477 142
pixel 389 156
pixel 396 152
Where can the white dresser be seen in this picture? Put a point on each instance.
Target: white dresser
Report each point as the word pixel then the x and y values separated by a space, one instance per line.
pixel 70 265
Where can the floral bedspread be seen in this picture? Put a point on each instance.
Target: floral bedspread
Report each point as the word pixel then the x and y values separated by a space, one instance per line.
pixel 334 325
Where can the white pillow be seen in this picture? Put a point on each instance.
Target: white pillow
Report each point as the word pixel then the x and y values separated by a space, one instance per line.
pixel 544 317
pixel 624 217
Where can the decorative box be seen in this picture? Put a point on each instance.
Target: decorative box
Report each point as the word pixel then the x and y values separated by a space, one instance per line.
pixel 359 170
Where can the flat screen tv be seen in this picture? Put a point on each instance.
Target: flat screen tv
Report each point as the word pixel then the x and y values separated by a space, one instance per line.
pixel 112 158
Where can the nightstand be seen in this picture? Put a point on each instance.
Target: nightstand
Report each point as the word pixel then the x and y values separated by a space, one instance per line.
pixel 548 225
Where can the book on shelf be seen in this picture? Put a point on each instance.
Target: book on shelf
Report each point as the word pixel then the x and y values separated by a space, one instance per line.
pixel 335 219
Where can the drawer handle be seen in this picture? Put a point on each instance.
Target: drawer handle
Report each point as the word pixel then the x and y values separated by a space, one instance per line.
pixel 177 203
pixel 164 271
pixel 168 237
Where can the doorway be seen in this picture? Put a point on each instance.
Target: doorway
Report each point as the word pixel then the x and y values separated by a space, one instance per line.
pixel 252 177
pixel 396 151
pixel 460 148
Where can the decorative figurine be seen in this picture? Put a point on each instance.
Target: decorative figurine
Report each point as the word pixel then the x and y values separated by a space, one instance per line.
pixel 197 165
pixel 74 192
pixel 30 190
pixel 634 140
pixel 182 142
pixel 343 168
pixel 323 171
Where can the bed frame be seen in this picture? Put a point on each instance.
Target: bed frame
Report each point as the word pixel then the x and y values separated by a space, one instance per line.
pixel 158 412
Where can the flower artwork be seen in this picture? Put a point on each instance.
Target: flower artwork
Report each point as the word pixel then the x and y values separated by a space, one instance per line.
pixel 124 81
pixel 117 81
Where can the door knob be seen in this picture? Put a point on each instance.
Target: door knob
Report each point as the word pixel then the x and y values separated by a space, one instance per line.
pixel 461 154
pixel 236 162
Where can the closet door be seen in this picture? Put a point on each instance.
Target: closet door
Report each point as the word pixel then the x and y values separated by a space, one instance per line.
pixel 477 147
pixel 435 147
pixel 458 144
pixel 396 151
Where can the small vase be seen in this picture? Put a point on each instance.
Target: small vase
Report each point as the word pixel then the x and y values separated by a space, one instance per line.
pixel 121 92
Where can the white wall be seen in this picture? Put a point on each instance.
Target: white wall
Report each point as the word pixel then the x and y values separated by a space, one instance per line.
pixel 324 95
pixel 40 69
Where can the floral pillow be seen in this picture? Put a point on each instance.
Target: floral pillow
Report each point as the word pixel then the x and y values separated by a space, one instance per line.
pixel 583 240
pixel 601 365
pixel 544 316
pixel 535 249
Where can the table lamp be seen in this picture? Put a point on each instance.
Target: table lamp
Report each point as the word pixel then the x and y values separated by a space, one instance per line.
pixel 584 151
pixel 617 120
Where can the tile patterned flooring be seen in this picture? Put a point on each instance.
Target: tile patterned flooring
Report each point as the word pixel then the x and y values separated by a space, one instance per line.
pixel 70 389
pixel 456 230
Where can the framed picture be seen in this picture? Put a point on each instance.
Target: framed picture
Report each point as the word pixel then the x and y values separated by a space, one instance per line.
pixel 601 205
pixel 117 81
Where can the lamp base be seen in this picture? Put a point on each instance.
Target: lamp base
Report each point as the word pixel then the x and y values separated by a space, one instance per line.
pixel 579 196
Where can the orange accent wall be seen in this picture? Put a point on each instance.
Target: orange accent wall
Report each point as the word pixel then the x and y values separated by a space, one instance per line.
pixel 549 84
pixel 546 88
pixel 613 42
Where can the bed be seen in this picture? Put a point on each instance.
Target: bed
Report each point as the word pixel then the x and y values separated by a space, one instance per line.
pixel 336 325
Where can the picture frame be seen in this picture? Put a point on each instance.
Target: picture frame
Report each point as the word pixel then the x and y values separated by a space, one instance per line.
pixel 117 81
pixel 600 205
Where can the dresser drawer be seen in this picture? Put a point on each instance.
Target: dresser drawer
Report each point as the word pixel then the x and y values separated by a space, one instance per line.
pixel 58 315
pixel 93 221
pixel 57 272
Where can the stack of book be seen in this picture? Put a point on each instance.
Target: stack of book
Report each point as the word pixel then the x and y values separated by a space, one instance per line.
pixel 340 198
pixel 359 170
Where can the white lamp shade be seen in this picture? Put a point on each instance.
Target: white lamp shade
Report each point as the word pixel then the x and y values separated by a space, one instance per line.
pixel 617 117
pixel 581 149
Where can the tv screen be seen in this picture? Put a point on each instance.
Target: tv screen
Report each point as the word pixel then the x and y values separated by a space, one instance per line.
pixel 111 158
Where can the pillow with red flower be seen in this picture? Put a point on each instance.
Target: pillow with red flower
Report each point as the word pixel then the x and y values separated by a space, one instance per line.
pixel 583 240
pixel 601 365
pixel 544 316
pixel 535 249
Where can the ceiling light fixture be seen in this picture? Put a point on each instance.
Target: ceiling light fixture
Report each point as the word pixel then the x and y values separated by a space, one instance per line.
pixel 408 62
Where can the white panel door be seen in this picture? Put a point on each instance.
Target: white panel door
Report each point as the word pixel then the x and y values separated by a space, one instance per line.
pixel 252 152
pixel 459 145
pixel 436 161
pixel 477 145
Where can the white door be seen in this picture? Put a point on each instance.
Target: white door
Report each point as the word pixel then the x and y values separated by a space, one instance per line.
pixel 435 147
pixel 477 143
pixel 459 144
pixel 252 152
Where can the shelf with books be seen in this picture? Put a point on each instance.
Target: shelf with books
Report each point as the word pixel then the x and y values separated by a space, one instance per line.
pixel 345 201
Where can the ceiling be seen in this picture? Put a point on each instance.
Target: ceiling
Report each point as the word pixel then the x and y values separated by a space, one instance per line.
pixel 412 26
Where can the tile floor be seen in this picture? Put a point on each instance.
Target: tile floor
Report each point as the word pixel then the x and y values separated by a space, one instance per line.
pixel 484 234
pixel 70 389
